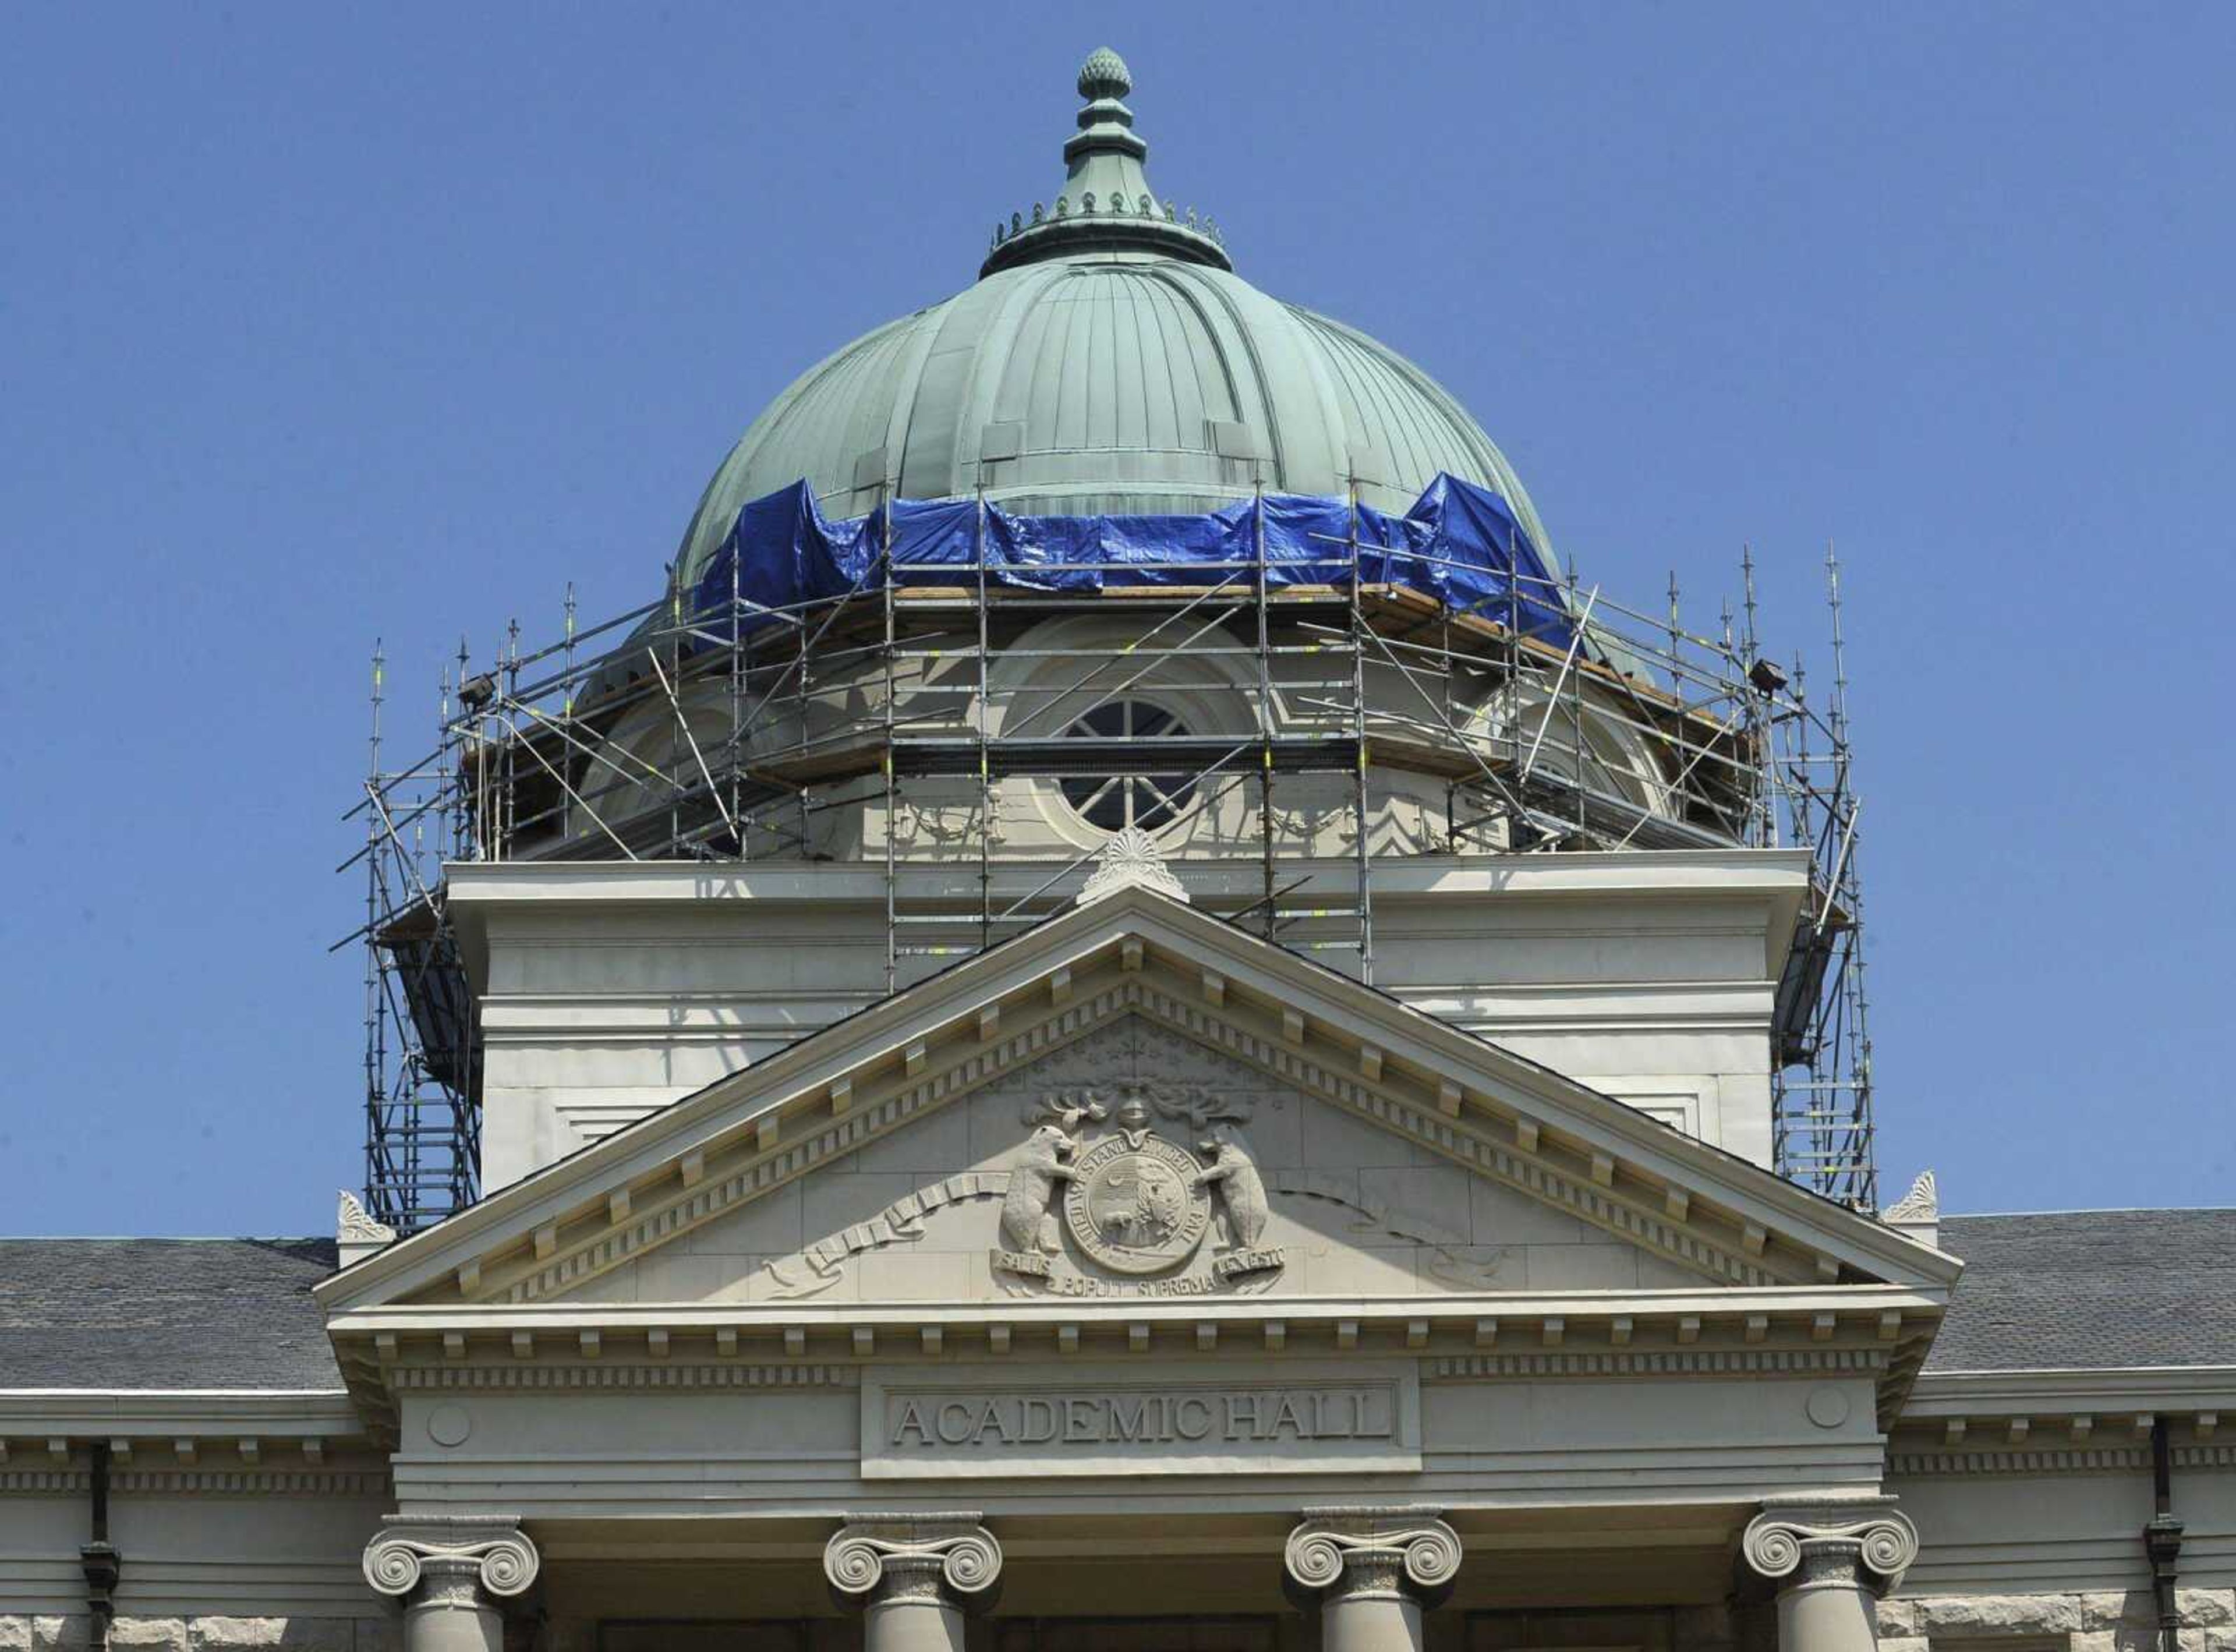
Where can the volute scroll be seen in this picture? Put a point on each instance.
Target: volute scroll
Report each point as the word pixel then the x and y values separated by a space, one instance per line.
pixel 492 1554
pixel 1352 1553
pixel 1847 1543
pixel 950 1558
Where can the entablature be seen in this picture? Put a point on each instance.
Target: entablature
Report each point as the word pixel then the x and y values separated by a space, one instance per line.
pixel 1974 1422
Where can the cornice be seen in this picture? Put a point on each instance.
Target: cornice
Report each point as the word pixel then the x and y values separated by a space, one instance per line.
pixel 2106 1391
pixel 1672 873
pixel 589 1349
pixel 1803 1319
pixel 326 1413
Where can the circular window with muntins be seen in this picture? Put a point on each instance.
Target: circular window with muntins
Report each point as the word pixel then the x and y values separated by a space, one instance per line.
pixel 1132 793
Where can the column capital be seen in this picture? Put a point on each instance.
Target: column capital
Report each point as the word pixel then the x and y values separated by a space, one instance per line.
pixel 1400 1552
pixel 460 1557
pixel 948 1558
pixel 1830 1543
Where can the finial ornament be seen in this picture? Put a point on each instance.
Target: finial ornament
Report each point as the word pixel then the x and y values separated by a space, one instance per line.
pixel 1104 180
pixel 1130 859
pixel 356 1234
pixel 1104 75
pixel 353 1220
pixel 1920 1204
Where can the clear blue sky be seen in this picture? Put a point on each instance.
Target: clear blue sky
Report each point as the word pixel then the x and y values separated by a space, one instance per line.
pixel 320 323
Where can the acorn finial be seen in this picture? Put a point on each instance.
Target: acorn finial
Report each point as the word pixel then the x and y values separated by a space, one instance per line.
pixel 1104 75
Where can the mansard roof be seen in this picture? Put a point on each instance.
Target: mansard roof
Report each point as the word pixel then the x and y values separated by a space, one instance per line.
pixel 164 1314
pixel 2079 1290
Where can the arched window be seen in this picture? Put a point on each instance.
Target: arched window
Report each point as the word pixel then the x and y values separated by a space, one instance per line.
pixel 1132 791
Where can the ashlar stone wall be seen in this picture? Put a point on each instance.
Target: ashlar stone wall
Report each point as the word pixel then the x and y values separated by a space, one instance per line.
pixel 205 1634
pixel 2095 1621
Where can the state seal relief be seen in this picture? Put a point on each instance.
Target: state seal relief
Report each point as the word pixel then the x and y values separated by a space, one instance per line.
pixel 1028 1236
pixel 1136 1205
pixel 1233 1176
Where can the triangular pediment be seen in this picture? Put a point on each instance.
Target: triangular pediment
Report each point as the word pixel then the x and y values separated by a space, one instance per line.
pixel 1397 1159
pixel 1136 1162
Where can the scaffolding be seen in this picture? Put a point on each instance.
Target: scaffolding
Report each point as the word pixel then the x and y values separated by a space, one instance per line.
pixel 890 724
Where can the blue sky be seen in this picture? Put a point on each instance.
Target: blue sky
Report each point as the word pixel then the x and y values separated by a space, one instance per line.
pixel 319 324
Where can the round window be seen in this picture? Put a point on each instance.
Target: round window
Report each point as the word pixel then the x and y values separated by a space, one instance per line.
pixel 1142 795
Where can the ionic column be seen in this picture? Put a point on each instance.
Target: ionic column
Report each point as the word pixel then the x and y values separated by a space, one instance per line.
pixel 1830 1560
pixel 453 1576
pixel 1371 1571
pixel 913 1577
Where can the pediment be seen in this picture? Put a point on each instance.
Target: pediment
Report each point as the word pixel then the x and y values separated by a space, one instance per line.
pixel 1137 1163
pixel 1396 1158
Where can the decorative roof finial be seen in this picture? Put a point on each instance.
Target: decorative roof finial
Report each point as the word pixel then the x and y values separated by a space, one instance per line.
pixel 1104 75
pixel 1116 210
pixel 355 1233
pixel 1130 860
pixel 1917 1212
pixel 1920 1204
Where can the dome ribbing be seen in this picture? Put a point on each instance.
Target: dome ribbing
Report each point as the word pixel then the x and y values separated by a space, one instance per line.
pixel 1107 363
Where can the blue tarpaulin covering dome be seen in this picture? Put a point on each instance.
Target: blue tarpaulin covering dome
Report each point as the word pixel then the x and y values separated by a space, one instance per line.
pixel 1458 544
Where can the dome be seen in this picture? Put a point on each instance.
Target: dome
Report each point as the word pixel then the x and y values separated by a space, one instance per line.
pixel 1108 361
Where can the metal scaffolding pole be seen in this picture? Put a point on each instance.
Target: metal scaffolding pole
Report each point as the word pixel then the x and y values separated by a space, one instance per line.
pixel 1544 716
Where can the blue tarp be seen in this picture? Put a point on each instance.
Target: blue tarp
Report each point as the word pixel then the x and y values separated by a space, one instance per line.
pixel 1459 543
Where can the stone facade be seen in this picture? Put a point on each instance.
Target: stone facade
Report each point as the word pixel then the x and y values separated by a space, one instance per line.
pixel 1135 1268
pixel 2095 1621
pixel 614 990
pixel 209 1634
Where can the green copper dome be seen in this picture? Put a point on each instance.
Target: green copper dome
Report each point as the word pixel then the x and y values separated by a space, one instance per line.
pixel 1108 361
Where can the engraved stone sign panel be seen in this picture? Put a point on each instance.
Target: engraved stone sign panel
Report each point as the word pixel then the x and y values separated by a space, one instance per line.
pixel 1244 1418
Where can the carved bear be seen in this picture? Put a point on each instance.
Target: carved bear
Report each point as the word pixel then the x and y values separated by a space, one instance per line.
pixel 1241 1191
pixel 1033 1179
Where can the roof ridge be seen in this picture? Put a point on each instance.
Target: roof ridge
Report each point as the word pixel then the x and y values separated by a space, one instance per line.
pixel 167 1239
pixel 2098 1210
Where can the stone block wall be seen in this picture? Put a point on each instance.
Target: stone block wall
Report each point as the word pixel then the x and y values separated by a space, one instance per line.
pixel 205 1634
pixel 2091 1621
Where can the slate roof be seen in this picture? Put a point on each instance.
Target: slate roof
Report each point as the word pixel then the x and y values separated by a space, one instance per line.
pixel 164 1314
pixel 2089 1289
pixel 2059 1290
